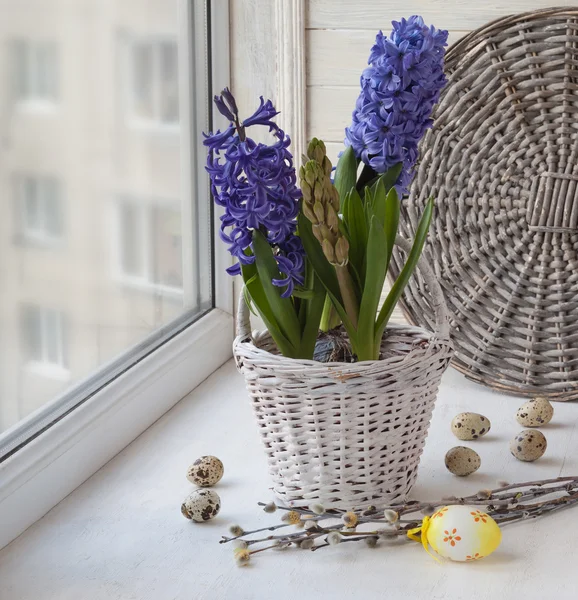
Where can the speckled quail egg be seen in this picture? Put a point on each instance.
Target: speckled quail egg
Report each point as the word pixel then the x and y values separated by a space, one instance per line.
pixel 201 505
pixel 205 471
pixel 529 445
pixel 535 413
pixel 470 426
pixel 462 461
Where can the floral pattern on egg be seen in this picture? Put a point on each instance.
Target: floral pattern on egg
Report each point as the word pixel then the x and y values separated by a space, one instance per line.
pixel 463 533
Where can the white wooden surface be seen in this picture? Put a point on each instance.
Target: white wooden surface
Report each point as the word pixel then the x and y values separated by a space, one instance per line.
pixel 121 534
pixel 49 467
pixel 455 14
pixel 340 33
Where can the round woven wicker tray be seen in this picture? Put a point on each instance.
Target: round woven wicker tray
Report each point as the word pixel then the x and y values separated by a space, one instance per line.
pixel 502 163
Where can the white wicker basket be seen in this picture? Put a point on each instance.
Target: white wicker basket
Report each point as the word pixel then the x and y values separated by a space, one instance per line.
pixel 346 434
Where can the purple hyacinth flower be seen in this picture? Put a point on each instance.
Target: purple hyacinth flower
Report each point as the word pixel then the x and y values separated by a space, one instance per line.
pixel 255 184
pixel 398 91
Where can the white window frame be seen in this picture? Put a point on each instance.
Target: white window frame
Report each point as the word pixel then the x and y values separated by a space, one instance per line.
pixel 47 468
pixel 39 234
pixel 52 332
pixel 34 101
pixel 144 281
pixel 135 121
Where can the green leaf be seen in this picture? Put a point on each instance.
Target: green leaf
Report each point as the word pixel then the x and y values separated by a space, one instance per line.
pixel 254 288
pixel 388 178
pixel 345 208
pixel 406 272
pixel 325 272
pixel 314 310
pixel 366 178
pixel 391 176
pixel 374 279
pixel 282 308
pixel 329 318
pixel 343 228
pixel 345 173
pixel 248 300
pixel 302 293
pixel 379 197
pixel 368 197
pixel 391 221
pixel 320 264
pixel 368 207
pixel 357 233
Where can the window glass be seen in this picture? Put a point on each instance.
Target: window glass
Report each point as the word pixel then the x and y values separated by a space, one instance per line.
pixel 35 69
pixel 143 80
pixel 100 260
pixel 166 248
pixel 39 208
pixel 168 83
pixel 153 71
pixel 131 240
pixel 43 336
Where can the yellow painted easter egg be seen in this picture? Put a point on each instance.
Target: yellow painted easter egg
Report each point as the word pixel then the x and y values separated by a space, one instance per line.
pixel 463 533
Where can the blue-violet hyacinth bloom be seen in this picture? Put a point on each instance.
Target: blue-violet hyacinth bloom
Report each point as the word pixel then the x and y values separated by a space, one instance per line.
pixel 398 92
pixel 255 183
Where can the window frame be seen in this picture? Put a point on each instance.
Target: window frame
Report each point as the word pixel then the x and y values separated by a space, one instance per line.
pixel 133 120
pixel 49 335
pixel 65 452
pixel 40 234
pixel 30 98
pixel 145 220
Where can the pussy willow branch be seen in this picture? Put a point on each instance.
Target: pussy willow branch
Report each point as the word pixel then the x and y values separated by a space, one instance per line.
pixel 506 504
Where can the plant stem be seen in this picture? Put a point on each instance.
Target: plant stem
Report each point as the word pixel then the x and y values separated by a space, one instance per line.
pixel 368 349
pixel 328 315
pixel 348 294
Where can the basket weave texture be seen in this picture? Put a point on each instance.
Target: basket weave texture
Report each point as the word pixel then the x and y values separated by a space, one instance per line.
pixel 502 163
pixel 346 434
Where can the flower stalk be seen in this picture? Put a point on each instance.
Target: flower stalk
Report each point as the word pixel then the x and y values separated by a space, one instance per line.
pixel 255 186
pixel 320 254
pixel 321 207
pixel 398 91
pixel 355 218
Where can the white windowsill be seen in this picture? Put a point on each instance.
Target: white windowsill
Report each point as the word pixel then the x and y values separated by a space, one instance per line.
pixel 143 285
pixel 39 106
pixel 45 470
pixel 40 240
pixel 154 127
pixel 121 534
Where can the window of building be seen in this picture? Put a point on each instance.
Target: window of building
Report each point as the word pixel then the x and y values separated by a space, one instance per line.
pixel 153 81
pixel 44 336
pixel 150 245
pixel 162 246
pixel 39 208
pixel 36 70
pixel 116 360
